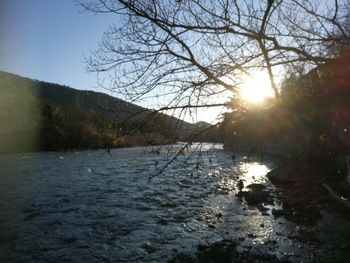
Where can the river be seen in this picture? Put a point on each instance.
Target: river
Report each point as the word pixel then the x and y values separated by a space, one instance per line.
pixel 92 206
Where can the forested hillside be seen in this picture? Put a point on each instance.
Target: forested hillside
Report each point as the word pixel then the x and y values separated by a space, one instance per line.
pixel 37 115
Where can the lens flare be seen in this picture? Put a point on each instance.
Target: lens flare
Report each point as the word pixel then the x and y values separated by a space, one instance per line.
pixel 256 87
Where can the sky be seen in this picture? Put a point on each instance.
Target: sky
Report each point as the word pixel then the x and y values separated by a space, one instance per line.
pixel 47 40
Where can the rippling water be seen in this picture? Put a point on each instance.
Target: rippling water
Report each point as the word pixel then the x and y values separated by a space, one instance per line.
pixel 88 206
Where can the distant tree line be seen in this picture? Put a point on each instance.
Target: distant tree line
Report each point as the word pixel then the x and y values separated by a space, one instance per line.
pixel 37 116
pixel 48 127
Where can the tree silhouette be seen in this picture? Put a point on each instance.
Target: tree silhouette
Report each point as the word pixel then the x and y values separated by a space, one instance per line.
pixel 191 51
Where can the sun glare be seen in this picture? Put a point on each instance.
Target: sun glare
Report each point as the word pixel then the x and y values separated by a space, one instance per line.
pixel 256 87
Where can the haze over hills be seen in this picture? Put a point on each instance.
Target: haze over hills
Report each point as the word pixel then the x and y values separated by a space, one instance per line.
pixel 37 115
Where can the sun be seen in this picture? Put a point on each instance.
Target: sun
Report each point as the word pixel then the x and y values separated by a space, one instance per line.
pixel 256 87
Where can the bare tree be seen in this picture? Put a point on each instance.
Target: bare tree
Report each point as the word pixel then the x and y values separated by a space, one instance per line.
pixel 191 51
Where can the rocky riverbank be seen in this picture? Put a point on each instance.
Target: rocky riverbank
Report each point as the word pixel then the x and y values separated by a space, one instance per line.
pixel 297 197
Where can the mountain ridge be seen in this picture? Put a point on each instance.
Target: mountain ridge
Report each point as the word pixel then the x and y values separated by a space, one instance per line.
pixel 39 115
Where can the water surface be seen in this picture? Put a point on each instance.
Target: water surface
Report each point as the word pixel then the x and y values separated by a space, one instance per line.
pixel 90 206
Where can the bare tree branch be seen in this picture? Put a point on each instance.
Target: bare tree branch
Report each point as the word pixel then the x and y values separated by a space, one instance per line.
pixel 187 50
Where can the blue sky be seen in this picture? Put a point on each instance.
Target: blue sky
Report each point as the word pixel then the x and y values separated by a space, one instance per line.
pixel 46 40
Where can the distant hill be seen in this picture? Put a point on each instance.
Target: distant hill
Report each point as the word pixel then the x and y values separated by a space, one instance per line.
pixel 36 115
pixel 68 97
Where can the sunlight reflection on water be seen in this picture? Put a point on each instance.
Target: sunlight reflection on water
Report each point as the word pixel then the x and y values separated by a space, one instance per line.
pixel 257 223
pixel 254 172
